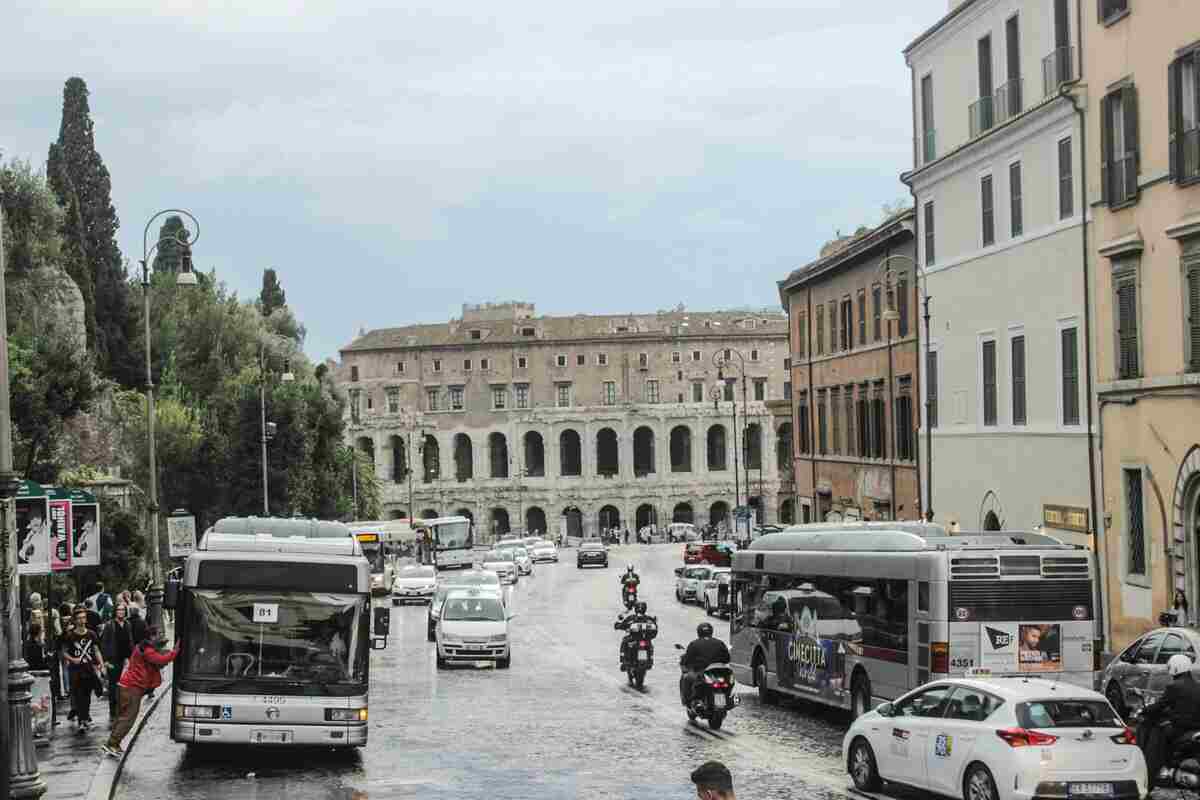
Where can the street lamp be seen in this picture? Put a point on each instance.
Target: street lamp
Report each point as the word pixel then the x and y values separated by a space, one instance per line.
pixel 719 359
pixel 186 277
pixel 268 428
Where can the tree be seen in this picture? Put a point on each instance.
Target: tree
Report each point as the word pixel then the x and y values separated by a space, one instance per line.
pixel 83 187
pixel 169 256
pixel 272 295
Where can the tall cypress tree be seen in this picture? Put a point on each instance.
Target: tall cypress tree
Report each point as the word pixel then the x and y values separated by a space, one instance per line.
pixel 169 256
pixel 82 183
pixel 272 295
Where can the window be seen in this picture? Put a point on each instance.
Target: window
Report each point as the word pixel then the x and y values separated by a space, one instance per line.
pixel 522 362
pixel 643 360
pixel 833 336
pixel 563 395
pixel 820 325
pixel 787 390
pixel 1193 306
pixel 1112 10
pixel 400 367
pixel 754 355
pixel 726 354
pixel 835 421
pixel 1015 218
pixel 1009 95
pixel 355 405
pixel 437 365
pixel 862 413
pixel 760 389
pixel 787 364
pixel 466 365
pixel 370 402
pixel 432 395
pixel 903 419
pixel 697 391
pixel 878 423
pixel 354 373
pixel 971 705
pixel 1174 645
pixel 847 324
pixel 729 384
pixel 499 398
pixel 1018 380
pixel 476 334
pixel 561 359
pixel 983 113
pixel 695 355
pixel 802 336
pixel 930 256
pixel 528 331
pixel 676 357
pixel 822 431
pixel 862 317
pixel 522 395
pixel 1125 307
pixel 610 393
pixel 902 306
pixel 989 382
pixel 931 387
pixel 1135 535
pixel 1183 110
pixel 485 363
pixel 802 414
pixel 1119 147
pixel 652 391
pixel 877 300
pixel 928 143
pixel 456 398
pixel 987 210
pixel 849 406
pixel 393 399
pixel 1069 338
pixel 1066 180
pixel 580 360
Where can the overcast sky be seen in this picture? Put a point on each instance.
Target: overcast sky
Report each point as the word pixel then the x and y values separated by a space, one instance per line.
pixel 394 160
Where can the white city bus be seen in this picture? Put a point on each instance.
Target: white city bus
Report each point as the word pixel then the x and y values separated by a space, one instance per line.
pixel 450 542
pixel 848 614
pixel 275 624
pixel 381 542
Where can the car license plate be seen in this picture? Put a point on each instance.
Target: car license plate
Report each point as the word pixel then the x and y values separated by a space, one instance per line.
pixel 270 737
pixel 643 655
pixel 1090 790
pixel 718 701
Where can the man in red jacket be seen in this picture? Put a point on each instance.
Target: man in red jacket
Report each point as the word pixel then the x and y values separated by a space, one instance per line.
pixel 142 674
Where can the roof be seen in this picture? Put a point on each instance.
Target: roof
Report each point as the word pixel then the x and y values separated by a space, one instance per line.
pixel 1021 687
pixel 281 527
pixel 457 333
pixel 941 23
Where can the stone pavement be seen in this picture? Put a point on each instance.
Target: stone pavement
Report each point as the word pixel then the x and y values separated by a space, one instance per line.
pixel 69 763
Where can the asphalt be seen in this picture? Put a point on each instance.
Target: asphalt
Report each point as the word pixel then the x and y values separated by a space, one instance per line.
pixel 561 723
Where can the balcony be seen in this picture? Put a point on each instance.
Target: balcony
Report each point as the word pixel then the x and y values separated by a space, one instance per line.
pixel 982 115
pixel 1057 68
pixel 1009 101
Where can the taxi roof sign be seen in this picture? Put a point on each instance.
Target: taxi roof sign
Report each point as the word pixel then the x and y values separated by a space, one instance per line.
pixel 367 537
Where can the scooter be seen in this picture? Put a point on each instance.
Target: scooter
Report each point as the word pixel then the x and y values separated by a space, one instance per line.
pixel 1181 769
pixel 712 694
pixel 629 594
pixel 637 654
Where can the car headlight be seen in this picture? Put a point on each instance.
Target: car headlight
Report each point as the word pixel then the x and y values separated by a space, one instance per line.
pixel 196 712
pixel 345 715
pixel 498 637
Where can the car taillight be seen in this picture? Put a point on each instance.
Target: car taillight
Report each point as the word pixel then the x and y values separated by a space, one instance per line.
pixel 939 655
pixel 1126 736
pixel 1023 737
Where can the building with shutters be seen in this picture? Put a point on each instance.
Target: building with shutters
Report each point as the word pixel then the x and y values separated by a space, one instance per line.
pixel 999 218
pixel 521 421
pixel 1143 100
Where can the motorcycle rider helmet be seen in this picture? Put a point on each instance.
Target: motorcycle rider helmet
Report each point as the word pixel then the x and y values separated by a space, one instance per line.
pixel 704 630
pixel 629 569
pixel 1178 664
pixel 640 607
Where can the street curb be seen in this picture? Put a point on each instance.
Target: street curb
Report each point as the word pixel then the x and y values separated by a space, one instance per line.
pixel 108 773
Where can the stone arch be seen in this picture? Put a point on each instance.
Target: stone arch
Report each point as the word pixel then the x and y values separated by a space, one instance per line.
pixel 683 513
pixel 609 516
pixel 717 449
pixel 752 447
pixel 464 458
pixel 535 521
pixel 499 521
pixel 718 514
pixel 1185 528
pixel 429 513
pixel 787 512
pixel 645 515
pixel 570 453
pixel 643 451
pixel 431 458
pixel 681 449
pixel 608 452
pixel 498 454
pixel 366 446
pixel 991 522
pixel 535 455
pixel 783 447
pixel 574 519
pixel 399 458
pixel 991 512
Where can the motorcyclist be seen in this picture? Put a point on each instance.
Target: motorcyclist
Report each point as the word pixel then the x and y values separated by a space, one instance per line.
pixel 629 581
pixel 626 620
pixel 1178 708
pixel 704 650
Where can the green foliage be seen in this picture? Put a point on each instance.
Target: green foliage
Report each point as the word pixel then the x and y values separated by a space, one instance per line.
pixel 31 219
pixel 169 255
pixel 272 295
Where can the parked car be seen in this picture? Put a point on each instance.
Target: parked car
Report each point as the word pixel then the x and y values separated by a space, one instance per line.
pixel 719 554
pixel 414 584
pixel 544 551
pixel 688 580
pixel 716 592
pixel 1139 674
pixel 997 739
pixel 591 554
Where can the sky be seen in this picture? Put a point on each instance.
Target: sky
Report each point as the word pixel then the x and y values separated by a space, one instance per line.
pixel 393 161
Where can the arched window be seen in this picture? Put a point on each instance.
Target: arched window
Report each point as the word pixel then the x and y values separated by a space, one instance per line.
pixel 399 459
pixel 783 447
pixel 535 455
pixel 535 521
pixel 608 459
pixel 570 454
pixel 753 446
pixel 464 458
pixel 716 448
pixel 498 455
pixel 500 521
pixel 643 451
pixel 431 458
pixel 681 449
pixel 683 513
pixel 787 512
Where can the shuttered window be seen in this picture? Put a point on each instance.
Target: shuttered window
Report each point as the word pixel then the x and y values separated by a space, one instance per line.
pixel 1119 146
pixel 931 384
pixel 1018 381
pixel 862 317
pixel 1014 199
pixel 1125 305
pixel 1183 114
pixel 902 306
pixel 1193 320
pixel 989 383
pixel 835 415
pixel 849 405
pixel 987 210
pixel 1070 376
pixel 877 299
pixel 802 336
pixel 833 326
pixel 822 430
pixel 820 327
pixel 1066 180
pixel 929 235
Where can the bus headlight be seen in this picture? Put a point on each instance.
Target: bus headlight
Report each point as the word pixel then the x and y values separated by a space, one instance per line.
pixel 498 637
pixel 346 715
pixel 196 712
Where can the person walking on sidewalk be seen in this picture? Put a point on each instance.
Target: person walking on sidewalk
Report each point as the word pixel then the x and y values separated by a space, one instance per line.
pixel 81 649
pixel 116 641
pixel 142 674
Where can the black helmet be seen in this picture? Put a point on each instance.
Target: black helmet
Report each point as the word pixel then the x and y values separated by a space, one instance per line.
pixel 641 607
pixel 704 630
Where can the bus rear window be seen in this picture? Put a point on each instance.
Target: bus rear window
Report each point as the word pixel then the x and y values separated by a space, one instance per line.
pixel 338 578
pixel 1067 714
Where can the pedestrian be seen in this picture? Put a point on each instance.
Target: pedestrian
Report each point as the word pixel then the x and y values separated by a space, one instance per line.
pixel 713 781
pixel 142 674
pixel 35 647
pixel 626 534
pixel 116 643
pixel 85 662
pixel 137 600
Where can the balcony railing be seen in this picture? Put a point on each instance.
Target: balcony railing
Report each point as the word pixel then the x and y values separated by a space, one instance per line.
pixel 982 115
pixel 1057 68
pixel 1009 101
pixel 1189 164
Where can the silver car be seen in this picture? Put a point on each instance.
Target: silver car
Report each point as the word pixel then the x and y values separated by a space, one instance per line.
pixel 1139 674
pixel 414 584
pixel 544 551
pixel 689 581
pixel 503 563
pixel 520 557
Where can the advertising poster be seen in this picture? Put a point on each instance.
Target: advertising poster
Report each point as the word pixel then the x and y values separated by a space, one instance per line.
pixel 998 646
pixel 33 535
pixel 1040 648
pixel 181 535
pixel 60 535
pixel 85 530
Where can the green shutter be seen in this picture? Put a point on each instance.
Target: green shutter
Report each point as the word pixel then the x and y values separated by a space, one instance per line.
pixel 1105 149
pixel 1127 335
pixel 1174 121
pixel 1193 281
pixel 1129 106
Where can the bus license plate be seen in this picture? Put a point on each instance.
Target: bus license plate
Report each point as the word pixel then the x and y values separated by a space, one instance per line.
pixel 270 737
pixel 1090 789
pixel 718 701
pixel 643 655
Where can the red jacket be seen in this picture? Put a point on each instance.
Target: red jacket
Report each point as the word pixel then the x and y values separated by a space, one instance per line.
pixel 144 670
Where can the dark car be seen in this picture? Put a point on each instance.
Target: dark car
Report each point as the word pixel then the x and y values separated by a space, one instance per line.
pixel 1139 674
pixel 590 554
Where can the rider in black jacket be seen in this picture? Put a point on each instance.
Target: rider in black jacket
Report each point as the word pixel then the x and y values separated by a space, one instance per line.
pixel 1179 706
pixel 626 620
pixel 703 651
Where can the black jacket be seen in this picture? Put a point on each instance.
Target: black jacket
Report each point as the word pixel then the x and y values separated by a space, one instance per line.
pixel 116 641
pixel 702 652
pixel 1180 703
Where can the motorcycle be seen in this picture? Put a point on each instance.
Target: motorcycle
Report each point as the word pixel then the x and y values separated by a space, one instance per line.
pixel 712 694
pixel 1181 768
pixel 629 593
pixel 637 653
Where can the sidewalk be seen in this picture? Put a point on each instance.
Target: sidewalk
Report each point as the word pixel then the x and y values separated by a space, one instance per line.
pixel 69 762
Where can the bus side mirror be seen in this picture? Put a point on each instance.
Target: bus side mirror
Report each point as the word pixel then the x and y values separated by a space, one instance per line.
pixel 171 594
pixel 383 621
pixel 379 644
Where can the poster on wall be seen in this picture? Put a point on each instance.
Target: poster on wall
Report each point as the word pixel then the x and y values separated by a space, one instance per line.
pixel 33 533
pixel 85 530
pixel 60 534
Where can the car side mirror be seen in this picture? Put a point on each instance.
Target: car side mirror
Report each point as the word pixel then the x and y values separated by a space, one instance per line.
pixel 884 710
pixel 379 643
pixel 382 621
pixel 171 594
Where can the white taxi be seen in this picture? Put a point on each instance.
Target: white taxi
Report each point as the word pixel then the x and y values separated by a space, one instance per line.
pixel 473 629
pixel 1010 738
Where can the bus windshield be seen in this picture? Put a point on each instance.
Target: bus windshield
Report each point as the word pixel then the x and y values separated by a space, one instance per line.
pixel 453 535
pixel 276 636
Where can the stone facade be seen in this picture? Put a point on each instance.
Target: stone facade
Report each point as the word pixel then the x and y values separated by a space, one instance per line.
pixel 526 421
pixel 856 448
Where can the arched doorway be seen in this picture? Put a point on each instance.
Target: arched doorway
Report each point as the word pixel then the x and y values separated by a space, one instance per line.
pixel 464 458
pixel 500 525
pixel 399 459
pixel 643 452
pixel 498 455
pixel 608 458
pixel 535 521
pixel 574 520
pixel 716 448
pixel 570 454
pixel 609 518
pixel 535 455
pixel 645 515
pixel 366 447
pixel 431 458
pixel 429 513
pixel 683 513
pixel 787 512
pixel 465 512
pixel 718 515
pixel 681 449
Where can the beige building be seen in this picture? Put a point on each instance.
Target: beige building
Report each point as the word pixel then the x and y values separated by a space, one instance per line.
pixel 1142 86
pixel 589 422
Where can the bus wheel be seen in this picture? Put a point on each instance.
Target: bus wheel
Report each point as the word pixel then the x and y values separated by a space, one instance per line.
pixel 860 696
pixel 863 770
pixel 765 696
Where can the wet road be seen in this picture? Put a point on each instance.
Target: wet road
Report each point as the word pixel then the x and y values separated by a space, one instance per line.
pixel 561 723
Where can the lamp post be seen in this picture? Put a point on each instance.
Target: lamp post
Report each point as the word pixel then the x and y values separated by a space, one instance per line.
pixel 720 360
pixel 185 277
pixel 268 428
